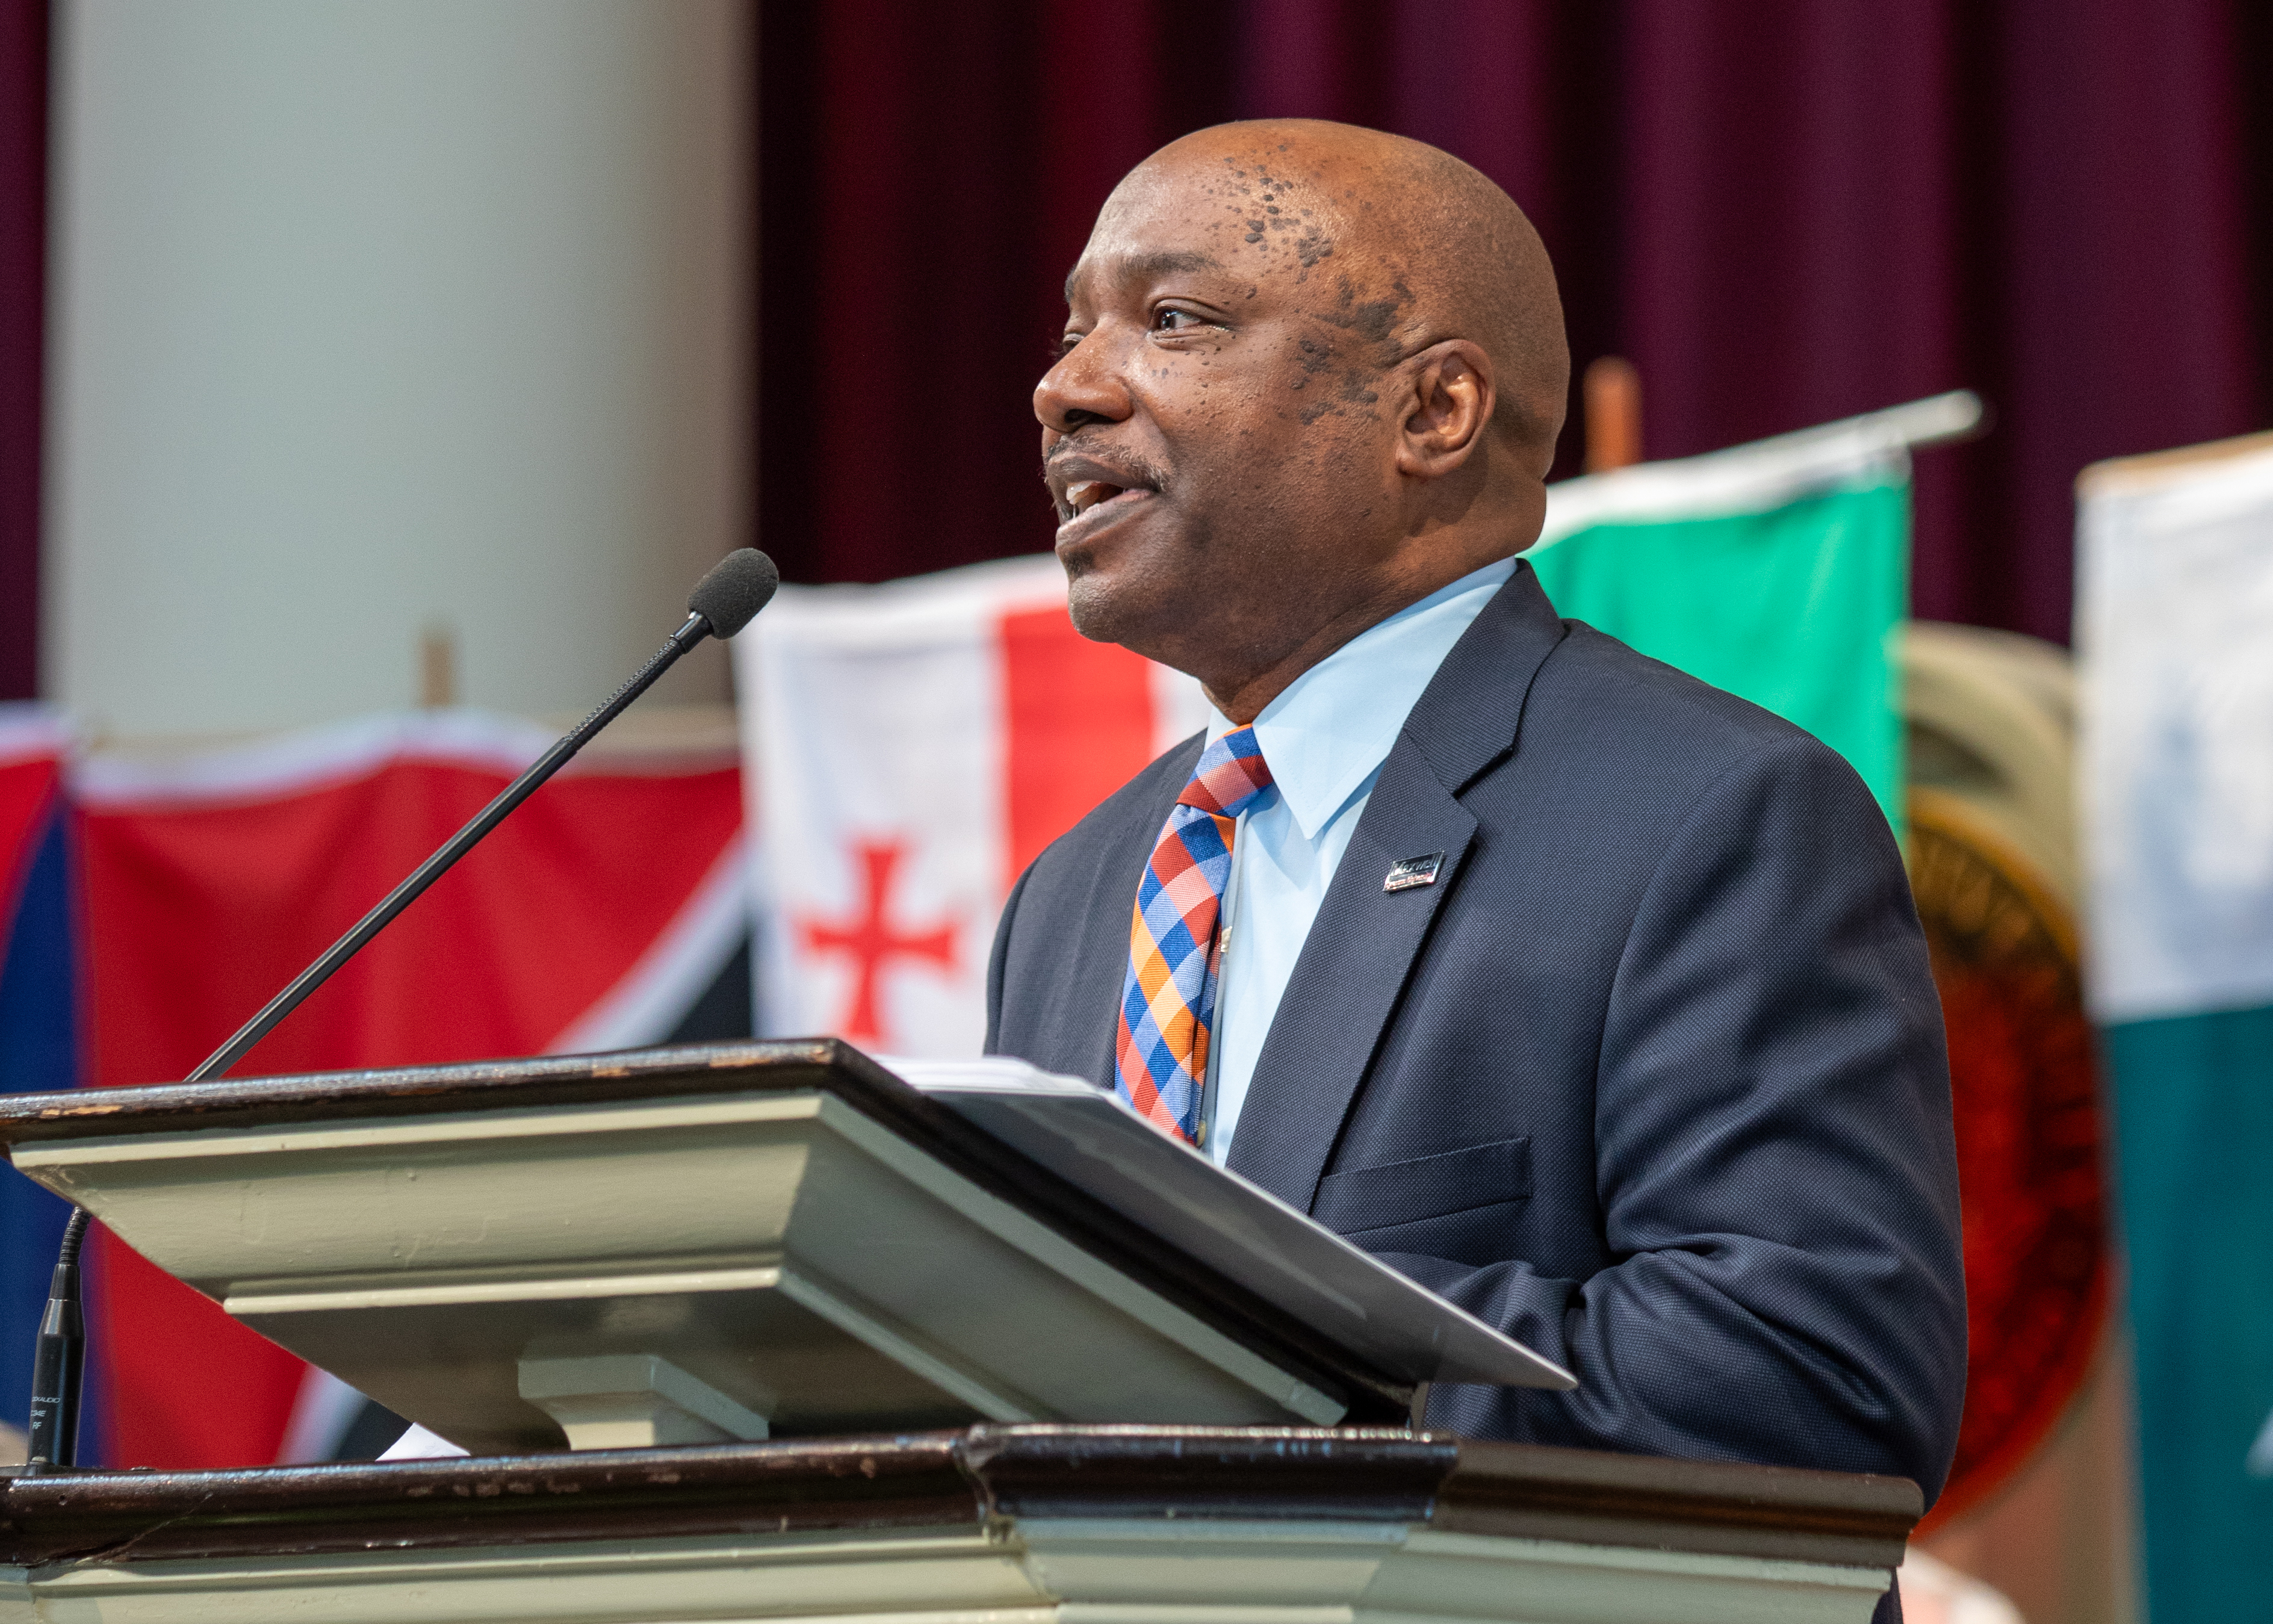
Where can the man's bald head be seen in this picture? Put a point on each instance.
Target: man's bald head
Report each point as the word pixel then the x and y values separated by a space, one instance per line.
pixel 1416 244
pixel 1309 375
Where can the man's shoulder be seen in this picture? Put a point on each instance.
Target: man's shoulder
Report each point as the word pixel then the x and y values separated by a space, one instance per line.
pixel 1627 711
pixel 1615 751
pixel 1654 698
pixel 1590 710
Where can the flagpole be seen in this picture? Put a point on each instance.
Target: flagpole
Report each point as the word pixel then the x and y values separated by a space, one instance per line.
pixel 1613 396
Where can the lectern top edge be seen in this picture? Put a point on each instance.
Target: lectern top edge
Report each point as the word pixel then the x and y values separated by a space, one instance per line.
pixel 420 1090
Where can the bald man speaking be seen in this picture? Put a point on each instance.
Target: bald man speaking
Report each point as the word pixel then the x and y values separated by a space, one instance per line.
pixel 1588 996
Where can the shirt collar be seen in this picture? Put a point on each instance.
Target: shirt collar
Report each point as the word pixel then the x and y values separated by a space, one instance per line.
pixel 1326 736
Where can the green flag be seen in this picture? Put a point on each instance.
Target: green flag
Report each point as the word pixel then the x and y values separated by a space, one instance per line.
pixel 1779 571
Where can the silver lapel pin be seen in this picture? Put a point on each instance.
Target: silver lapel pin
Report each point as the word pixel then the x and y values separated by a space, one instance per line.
pixel 1407 873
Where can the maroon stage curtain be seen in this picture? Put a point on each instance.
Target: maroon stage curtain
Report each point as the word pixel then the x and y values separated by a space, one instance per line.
pixel 1782 211
pixel 23 276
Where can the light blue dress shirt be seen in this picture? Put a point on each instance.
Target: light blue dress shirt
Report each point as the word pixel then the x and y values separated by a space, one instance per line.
pixel 1324 739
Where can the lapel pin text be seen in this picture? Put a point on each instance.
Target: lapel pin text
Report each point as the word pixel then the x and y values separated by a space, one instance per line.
pixel 1407 873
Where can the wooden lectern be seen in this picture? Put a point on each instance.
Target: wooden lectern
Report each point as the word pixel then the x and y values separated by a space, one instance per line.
pixel 765 1331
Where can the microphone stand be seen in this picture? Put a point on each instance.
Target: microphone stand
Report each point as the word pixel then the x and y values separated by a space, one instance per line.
pixel 59 1354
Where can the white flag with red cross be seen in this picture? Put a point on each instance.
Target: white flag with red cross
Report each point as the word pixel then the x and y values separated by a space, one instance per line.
pixel 911 748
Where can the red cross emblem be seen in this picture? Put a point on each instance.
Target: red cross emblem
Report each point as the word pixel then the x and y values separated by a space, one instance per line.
pixel 870 941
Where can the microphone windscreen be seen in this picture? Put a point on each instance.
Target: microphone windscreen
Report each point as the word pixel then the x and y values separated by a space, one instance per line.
pixel 737 587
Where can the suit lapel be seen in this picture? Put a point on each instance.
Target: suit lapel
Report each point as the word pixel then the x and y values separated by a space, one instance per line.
pixel 1352 971
pixel 1361 947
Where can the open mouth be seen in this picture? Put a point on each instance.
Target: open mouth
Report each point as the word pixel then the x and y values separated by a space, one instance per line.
pixel 1089 503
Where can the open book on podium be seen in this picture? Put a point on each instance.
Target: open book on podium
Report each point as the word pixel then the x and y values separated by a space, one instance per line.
pixel 749 1240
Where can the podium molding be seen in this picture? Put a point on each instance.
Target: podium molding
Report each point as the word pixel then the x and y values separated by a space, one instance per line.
pixel 1249 1524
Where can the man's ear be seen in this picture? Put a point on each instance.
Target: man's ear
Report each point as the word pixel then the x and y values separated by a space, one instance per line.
pixel 1451 404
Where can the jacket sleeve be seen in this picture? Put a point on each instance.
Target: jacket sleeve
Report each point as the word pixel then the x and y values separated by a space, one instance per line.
pixel 1776 1166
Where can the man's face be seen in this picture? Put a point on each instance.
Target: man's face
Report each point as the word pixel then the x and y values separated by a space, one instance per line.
pixel 1215 433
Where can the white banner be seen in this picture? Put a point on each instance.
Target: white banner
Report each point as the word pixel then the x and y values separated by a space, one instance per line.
pixel 2174 639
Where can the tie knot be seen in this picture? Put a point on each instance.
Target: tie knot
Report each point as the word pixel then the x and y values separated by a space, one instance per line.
pixel 1230 776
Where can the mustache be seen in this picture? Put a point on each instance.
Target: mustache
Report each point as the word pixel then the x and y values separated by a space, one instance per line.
pixel 1139 470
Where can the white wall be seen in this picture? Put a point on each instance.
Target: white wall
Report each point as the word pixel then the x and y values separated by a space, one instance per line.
pixel 371 313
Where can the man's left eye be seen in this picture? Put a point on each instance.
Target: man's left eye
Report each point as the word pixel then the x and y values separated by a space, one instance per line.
pixel 1168 319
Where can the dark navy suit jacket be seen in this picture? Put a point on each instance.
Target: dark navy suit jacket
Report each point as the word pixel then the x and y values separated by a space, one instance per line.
pixel 1652 1077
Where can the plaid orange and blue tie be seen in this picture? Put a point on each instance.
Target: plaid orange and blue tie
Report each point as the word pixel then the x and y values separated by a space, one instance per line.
pixel 1167 1003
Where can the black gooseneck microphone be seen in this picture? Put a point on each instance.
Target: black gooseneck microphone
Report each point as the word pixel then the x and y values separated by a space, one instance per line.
pixel 721 603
